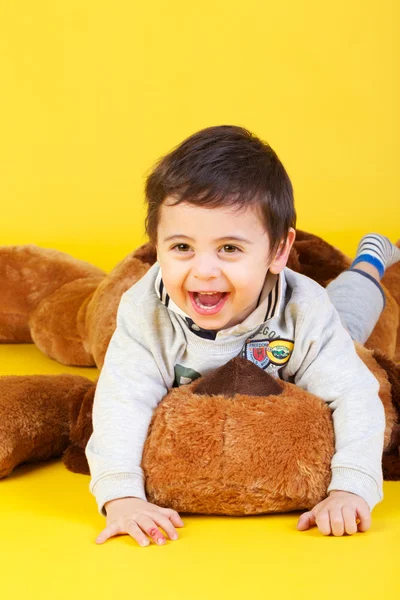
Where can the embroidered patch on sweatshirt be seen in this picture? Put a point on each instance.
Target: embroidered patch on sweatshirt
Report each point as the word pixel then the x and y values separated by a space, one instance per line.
pixel 263 352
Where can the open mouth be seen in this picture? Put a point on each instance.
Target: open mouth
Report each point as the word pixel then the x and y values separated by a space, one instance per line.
pixel 208 303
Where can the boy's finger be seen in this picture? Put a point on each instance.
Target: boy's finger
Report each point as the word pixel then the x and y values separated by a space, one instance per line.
pixel 323 522
pixel 137 534
pixel 108 532
pixel 306 521
pixel 336 521
pixel 148 525
pixel 173 516
pixel 166 524
pixel 364 516
pixel 349 517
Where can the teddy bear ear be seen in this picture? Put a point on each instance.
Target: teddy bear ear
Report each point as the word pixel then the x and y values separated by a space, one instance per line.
pixel 80 416
pixel 238 376
pixel 81 427
pixel 147 253
pixel 316 258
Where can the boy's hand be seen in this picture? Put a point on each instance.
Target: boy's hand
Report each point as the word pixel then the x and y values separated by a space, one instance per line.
pixel 137 517
pixel 339 513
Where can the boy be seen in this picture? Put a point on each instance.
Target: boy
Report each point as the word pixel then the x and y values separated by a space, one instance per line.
pixel 222 217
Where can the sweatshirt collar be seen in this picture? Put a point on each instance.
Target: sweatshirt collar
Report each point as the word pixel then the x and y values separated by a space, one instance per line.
pixel 269 303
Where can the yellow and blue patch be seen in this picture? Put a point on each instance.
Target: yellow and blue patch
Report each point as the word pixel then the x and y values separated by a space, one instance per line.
pixel 265 352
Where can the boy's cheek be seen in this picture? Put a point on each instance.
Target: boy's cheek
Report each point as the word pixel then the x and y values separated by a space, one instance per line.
pixel 174 280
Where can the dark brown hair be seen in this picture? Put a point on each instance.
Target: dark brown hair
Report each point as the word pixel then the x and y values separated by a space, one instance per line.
pixel 223 166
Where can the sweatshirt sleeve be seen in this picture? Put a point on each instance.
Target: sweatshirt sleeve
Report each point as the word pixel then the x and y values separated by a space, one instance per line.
pixel 129 388
pixel 326 364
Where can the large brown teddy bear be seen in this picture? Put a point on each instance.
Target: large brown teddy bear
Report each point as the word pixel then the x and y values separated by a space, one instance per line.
pixel 242 442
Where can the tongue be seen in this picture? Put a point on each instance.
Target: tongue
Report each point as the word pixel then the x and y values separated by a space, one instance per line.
pixel 210 300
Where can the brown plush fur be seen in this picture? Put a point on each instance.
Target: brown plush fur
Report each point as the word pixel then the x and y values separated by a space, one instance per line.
pixel 391 457
pixel 98 321
pixel 35 416
pixel 241 442
pixel 239 455
pixel 57 332
pixel 317 259
pixel 29 274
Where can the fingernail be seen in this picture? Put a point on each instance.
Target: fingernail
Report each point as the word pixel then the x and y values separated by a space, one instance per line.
pixel 161 541
pixel 174 536
pixel 146 543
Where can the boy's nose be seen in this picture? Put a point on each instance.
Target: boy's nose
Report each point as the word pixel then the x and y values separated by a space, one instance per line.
pixel 205 267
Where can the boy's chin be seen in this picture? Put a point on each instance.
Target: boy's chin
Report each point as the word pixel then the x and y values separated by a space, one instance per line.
pixel 212 324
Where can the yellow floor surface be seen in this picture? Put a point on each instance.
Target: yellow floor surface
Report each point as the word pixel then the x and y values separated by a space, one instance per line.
pixel 49 522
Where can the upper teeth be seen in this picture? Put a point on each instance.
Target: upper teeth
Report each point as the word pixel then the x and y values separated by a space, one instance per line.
pixel 208 293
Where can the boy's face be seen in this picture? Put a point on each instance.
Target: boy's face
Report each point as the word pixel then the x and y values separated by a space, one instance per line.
pixel 215 250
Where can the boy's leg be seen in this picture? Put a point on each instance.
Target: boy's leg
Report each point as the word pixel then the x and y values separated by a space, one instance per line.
pixel 356 293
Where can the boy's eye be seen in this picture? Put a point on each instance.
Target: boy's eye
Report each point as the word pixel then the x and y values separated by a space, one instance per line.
pixel 181 247
pixel 229 249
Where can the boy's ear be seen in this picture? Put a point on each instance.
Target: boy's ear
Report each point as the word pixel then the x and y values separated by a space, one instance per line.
pixel 282 254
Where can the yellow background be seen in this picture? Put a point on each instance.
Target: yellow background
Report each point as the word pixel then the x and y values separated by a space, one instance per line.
pixel 92 93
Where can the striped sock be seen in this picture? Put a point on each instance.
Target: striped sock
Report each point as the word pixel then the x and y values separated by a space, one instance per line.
pixel 377 250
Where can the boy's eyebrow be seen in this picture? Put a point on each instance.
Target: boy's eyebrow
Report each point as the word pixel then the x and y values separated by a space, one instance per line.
pixel 236 238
